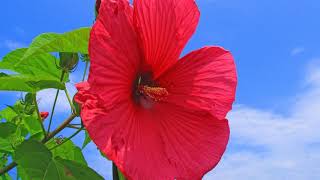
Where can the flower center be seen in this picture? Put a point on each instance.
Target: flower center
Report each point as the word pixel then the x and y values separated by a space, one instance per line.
pixel 147 91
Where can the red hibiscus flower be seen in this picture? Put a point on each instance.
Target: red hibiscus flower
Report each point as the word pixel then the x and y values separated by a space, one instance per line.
pixel 44 115
pixel 154 115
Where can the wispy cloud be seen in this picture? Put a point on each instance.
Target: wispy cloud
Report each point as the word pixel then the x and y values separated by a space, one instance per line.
pixel 12 44
pixel 268 145
pixel 297 50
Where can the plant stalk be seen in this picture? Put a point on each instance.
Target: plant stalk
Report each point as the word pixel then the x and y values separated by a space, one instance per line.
pixel 69 138
pixel 39 116
pixel 55 102
pixel 85 71
pixel 70 101
pixel 115 175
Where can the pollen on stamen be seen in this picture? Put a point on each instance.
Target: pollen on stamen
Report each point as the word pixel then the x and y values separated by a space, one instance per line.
pixel 155 93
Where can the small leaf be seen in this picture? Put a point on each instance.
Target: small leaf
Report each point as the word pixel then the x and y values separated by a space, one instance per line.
pixel 7 114
pixel 87 140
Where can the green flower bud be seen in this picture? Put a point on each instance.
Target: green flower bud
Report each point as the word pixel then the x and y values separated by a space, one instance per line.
pixel 68 61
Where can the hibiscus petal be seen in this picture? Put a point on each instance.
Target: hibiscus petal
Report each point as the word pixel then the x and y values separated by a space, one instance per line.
pixel 114 53
pixel 164 27
pixel 164 143
pixel 171 143
pixel 204 79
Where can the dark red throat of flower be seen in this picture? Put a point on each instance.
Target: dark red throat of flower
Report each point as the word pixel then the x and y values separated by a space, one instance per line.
pixel 147 91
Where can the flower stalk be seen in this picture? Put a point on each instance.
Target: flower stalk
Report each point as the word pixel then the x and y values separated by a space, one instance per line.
pixel 55 102
pixel 39 116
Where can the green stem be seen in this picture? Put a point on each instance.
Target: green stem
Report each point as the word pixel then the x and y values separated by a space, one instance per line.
pixel 73 127
pixel 39 116
pixel 85 71
pixel 55 102
pixel 69 138
pixel 74 111
pixel 115 174
pixel 52 110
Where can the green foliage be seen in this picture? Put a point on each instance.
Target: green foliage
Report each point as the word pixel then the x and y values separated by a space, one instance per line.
pixel 34 73
pixel 5 177
pixel 7 129
pixel 75 41
pixel 38 163
pixel 10 136
pixel 21 133
pixel 22 114
pixel 67 150
pixel 87 140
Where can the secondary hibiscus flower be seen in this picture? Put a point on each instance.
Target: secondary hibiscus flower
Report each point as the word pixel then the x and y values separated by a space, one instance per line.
pixel 154 115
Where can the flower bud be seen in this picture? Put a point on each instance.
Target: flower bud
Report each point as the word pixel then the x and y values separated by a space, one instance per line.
pixel 68 61
pixel 44 115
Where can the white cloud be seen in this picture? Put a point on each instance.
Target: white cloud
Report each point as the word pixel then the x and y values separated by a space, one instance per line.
pixel 297 50
pixel 267 145
pixel 12 45
pixel 46 97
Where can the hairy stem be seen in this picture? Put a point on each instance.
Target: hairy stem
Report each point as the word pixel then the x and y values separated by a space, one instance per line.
pixel 73 126
pixel 55 102
pixel 8 168
pixel 85 71
pixel 39 117
pixel 70 102
pixel 69 138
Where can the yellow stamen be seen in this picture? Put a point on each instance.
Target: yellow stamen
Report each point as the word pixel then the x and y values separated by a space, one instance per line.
pixel 155 93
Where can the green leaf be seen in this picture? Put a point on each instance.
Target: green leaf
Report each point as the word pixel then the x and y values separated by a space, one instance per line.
pixel 27 83
pixel 38 163
pixel 43 65
pixel 78 171
pixel 6 146
pixel 22 174
pixel 7 136
pixel 68 150
pixel 5 177
pixel 73 41
pixel 32 124
pixel 7 114
pixel 87 140
pixel 7 129
pixel 35 73
pixel 3 159
pixel 121 176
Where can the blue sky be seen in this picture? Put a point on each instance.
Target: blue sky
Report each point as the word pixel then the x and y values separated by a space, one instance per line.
pixel 274 124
